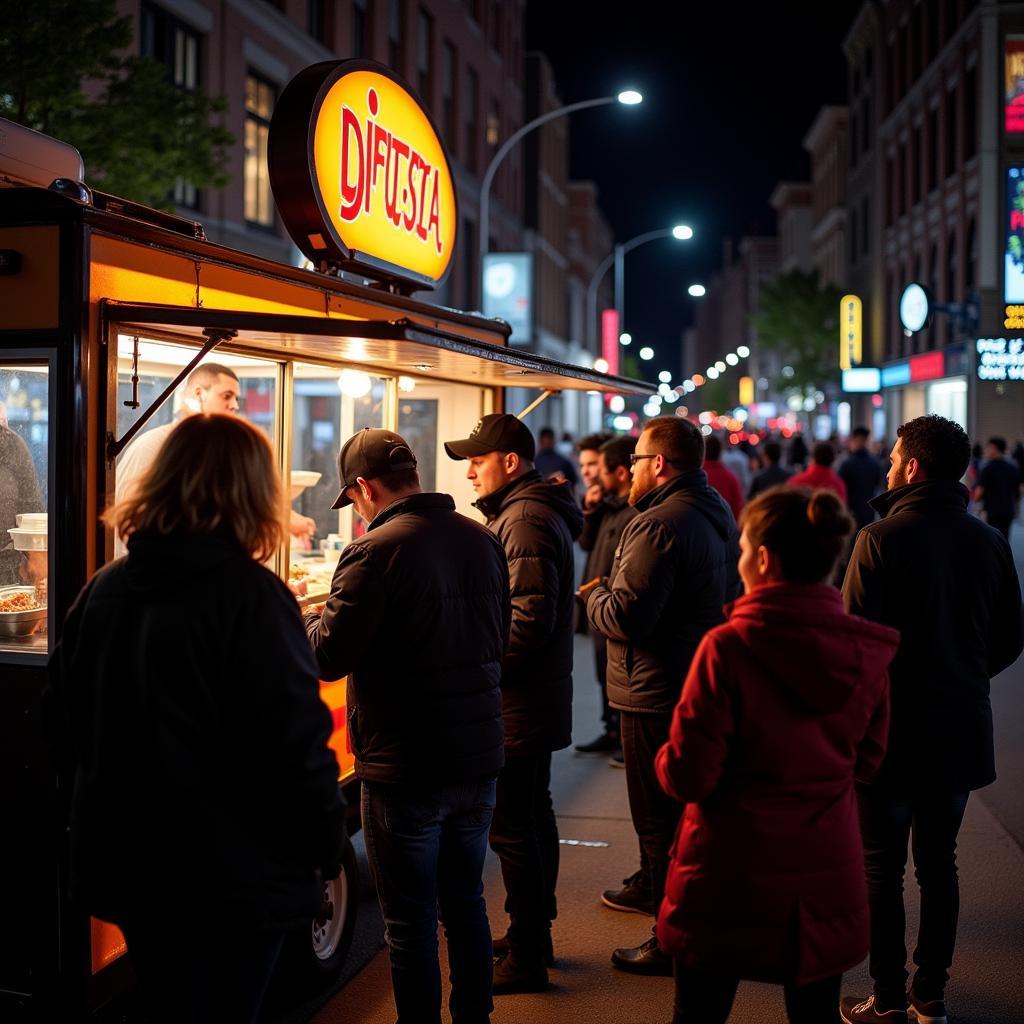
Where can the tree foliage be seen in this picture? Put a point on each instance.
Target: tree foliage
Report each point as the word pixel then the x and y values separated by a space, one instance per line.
pixel 64 71
pixel 799 319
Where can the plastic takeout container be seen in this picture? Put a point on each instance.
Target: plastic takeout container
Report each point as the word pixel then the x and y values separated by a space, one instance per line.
pixel 31 521
pixel 301 479
pixel 28 540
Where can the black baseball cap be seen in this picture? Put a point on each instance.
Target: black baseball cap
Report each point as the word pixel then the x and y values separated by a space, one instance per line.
pixel 369 454
pixel 498 432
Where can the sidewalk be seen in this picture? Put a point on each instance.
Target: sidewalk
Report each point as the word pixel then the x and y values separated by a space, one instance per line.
pixel 987 986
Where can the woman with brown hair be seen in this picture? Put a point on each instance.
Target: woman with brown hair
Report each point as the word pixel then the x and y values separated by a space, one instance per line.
pixel 784 704
pixel 204 804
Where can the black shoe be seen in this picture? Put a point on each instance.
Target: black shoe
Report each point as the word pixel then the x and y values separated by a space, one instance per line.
pixel 617 760
pixel 634 897
pixel 867 1011
pixel 926 1011
pixel 501 948
pixel 644 959
pixel 609 741
pixel 512 976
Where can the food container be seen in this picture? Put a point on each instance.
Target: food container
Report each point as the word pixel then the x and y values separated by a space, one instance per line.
pixel 14 624
pixel 31 521
pixel 301 479
pixel 28 540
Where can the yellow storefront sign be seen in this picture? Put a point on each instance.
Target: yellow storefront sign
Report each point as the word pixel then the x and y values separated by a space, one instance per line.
pixel 851 332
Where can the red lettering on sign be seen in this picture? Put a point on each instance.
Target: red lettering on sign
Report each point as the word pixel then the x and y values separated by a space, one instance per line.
pixel 411 184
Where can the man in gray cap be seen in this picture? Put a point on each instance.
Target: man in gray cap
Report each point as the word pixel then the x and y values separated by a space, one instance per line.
pixel 418 619
pixel 536 522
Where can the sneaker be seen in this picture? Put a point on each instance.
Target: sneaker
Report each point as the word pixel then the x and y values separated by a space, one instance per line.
pixel 617 760
pixel 863 1011
pixel 646 958
pixel 602 745
pixel 926 1011
pixel 512 976
pixel 634 897
pixel 501 948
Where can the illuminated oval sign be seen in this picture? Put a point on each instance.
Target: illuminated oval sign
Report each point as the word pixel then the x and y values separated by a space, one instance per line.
pixel 359 174
pixel 915 307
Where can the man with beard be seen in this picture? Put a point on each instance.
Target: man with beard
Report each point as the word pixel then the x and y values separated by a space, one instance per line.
pixel 947 582
pixel 536 522
pixel 604 519
pixel 674 569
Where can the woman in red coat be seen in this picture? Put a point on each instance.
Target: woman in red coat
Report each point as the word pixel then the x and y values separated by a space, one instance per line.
pixel 784 704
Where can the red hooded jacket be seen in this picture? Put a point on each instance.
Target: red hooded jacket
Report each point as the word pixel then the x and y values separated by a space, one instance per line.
pixel 784 704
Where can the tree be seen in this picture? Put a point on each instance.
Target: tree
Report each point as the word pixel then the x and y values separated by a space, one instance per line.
pixel 799 319
pixel 63 71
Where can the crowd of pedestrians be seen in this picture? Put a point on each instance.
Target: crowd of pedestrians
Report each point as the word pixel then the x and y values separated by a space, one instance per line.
pixel 784 741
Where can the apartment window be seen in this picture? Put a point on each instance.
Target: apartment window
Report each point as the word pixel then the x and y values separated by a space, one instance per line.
pixel 853 240
pixel 424 45
pixel 865 124
pixel 854 138
pixel 177 46
pixel 260 96
pixel 472 119
pixel 469 260
pixel 865 225
pixel 971 112
pixel 316 21
pixel 497 11
pixel 890 191
pixel 448 69
pixel 933 148
pixel 950 119
pixel 971 266
pixel 360 23
pixel 890 78
pixel 494 123
pixel 915 166
pixel 932 23
pixel 901 180
pixel 951 268
pixel 951 19
pixel 396 19
pixel 915 43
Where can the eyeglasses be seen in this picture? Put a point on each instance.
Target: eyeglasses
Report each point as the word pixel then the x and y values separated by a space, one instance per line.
pixel 634 458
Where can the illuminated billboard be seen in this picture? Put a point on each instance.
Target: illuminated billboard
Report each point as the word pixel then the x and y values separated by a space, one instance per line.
pixel 1013 262
pixel 1013 78
pixel 508 291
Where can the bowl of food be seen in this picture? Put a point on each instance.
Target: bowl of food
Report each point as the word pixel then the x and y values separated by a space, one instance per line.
pixel 301 479
pixel 21 611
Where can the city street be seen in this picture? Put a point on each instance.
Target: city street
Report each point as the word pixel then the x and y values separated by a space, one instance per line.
pixel 987 986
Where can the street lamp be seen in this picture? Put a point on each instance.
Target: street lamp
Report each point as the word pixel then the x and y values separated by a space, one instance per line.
pixel 628 98
pixel 698 291
pixel 681 232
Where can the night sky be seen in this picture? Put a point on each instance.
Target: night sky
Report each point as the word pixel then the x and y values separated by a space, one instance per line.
pixel 729 94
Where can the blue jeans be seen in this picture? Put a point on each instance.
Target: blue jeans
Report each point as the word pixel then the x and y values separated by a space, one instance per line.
pixel 426 851
pixel 931 821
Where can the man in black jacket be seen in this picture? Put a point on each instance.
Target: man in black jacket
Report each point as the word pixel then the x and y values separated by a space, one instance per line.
pixel 536 522
pixel 418 619
pixel 674 569
pixel 862 474
pixel 773 473
pixel 605 515
pixel 947 582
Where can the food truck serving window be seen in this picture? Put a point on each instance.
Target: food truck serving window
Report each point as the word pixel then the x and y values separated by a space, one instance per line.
pixel 25 439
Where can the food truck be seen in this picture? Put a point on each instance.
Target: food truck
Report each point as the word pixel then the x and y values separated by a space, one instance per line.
pixel 105 308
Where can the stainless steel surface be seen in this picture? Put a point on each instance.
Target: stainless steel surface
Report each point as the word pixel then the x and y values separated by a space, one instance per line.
pixel 20 623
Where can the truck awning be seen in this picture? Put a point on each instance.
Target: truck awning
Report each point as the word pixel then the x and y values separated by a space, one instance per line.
pixel 387 347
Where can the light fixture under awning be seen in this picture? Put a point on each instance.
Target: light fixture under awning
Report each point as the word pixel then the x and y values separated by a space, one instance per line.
pixel 387 347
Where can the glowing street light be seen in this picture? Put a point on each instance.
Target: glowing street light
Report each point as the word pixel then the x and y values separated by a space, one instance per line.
pixel 629 97
pixel 697 290
pixel 625 338
pixel 732 359
pixel 720 366
pixel 665 377
pixel 646 353
pixel 682 232
pixel 743 351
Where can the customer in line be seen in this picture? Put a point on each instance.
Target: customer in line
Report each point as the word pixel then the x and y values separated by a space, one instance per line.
pixel 205 810
pixel 784 704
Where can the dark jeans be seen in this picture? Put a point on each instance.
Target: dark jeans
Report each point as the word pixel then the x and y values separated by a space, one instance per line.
pixel 609 716
pixel 426 850
pixel 194 974
pixel 655 816
pixel 524 835
pixel 931 822
pixel 707 999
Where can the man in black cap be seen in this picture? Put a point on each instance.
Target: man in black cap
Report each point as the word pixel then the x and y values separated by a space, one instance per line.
pixel 418 619
pixel 536 522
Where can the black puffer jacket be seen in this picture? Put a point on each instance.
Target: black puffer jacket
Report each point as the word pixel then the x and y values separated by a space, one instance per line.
pixel 536 523
pixel 675 567
pixel 418 619
pixel 188 718
pixel 602 528
pixel 947 582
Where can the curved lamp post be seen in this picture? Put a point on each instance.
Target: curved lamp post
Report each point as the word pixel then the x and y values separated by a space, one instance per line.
pixel 617 256
pixel 629 98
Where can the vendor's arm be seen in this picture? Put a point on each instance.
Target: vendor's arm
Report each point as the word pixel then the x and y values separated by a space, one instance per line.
pixel 342 634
